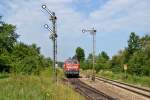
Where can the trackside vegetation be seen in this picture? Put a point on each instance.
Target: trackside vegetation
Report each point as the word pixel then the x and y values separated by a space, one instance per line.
pixel 132 79
pixel 33 87
pixel 18 57
pixel 136 56
pixel 25 74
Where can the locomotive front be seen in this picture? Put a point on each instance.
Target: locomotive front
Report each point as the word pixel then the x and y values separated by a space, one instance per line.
pixel 71 67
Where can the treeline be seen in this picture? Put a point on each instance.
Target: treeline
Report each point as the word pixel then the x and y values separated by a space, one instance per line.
pixel 136 56
pixel 19 57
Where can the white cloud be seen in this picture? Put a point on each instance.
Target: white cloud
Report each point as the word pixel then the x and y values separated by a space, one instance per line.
pixel 29 18
pixel 119 14
pixel 113 19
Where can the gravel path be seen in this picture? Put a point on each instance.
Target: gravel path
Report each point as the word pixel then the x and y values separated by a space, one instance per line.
pixel 114 91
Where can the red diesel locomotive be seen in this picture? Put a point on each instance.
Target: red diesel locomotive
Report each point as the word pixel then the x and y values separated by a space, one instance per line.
pixel 71 67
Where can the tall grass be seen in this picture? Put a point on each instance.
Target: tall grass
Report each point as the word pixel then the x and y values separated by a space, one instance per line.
pixel 132 79
pixel 31 87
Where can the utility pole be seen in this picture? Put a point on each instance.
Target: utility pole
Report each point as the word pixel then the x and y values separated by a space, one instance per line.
pixel 93 33
pixel 53 37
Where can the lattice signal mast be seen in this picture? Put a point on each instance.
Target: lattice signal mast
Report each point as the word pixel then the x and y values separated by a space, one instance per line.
pixel 53 36
pixel 93 33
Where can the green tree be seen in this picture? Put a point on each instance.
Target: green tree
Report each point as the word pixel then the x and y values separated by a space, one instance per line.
pixel 102 61
pixel 104 55
pixel 8 37
pixel 140 60
pixel 137 56
pixel 19 57
pixel 145 41
pixel 89 61
pixel 133 43
pixel 146 52
pixel 135 63
pixel 117 61
pixel 80 54
pixel 26 59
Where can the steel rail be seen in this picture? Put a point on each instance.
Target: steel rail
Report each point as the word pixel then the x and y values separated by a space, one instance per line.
pixel 88 91
pixel 116 83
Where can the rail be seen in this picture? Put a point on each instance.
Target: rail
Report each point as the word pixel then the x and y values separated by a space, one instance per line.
pixel 88 91
pixel 138 90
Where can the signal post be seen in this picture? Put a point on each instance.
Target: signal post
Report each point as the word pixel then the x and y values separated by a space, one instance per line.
pixel 93 33
pixel 53 37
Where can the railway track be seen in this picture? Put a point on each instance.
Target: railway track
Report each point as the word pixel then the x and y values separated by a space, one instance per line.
pixel 138 90
pixel 87 91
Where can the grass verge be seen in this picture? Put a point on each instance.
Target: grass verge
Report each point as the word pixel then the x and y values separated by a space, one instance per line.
pixel 143 81
pixel 31 87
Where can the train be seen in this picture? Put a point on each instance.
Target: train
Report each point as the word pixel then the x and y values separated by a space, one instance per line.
pixel 71 67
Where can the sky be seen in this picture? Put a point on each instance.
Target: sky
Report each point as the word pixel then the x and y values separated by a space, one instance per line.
pixel 114 20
